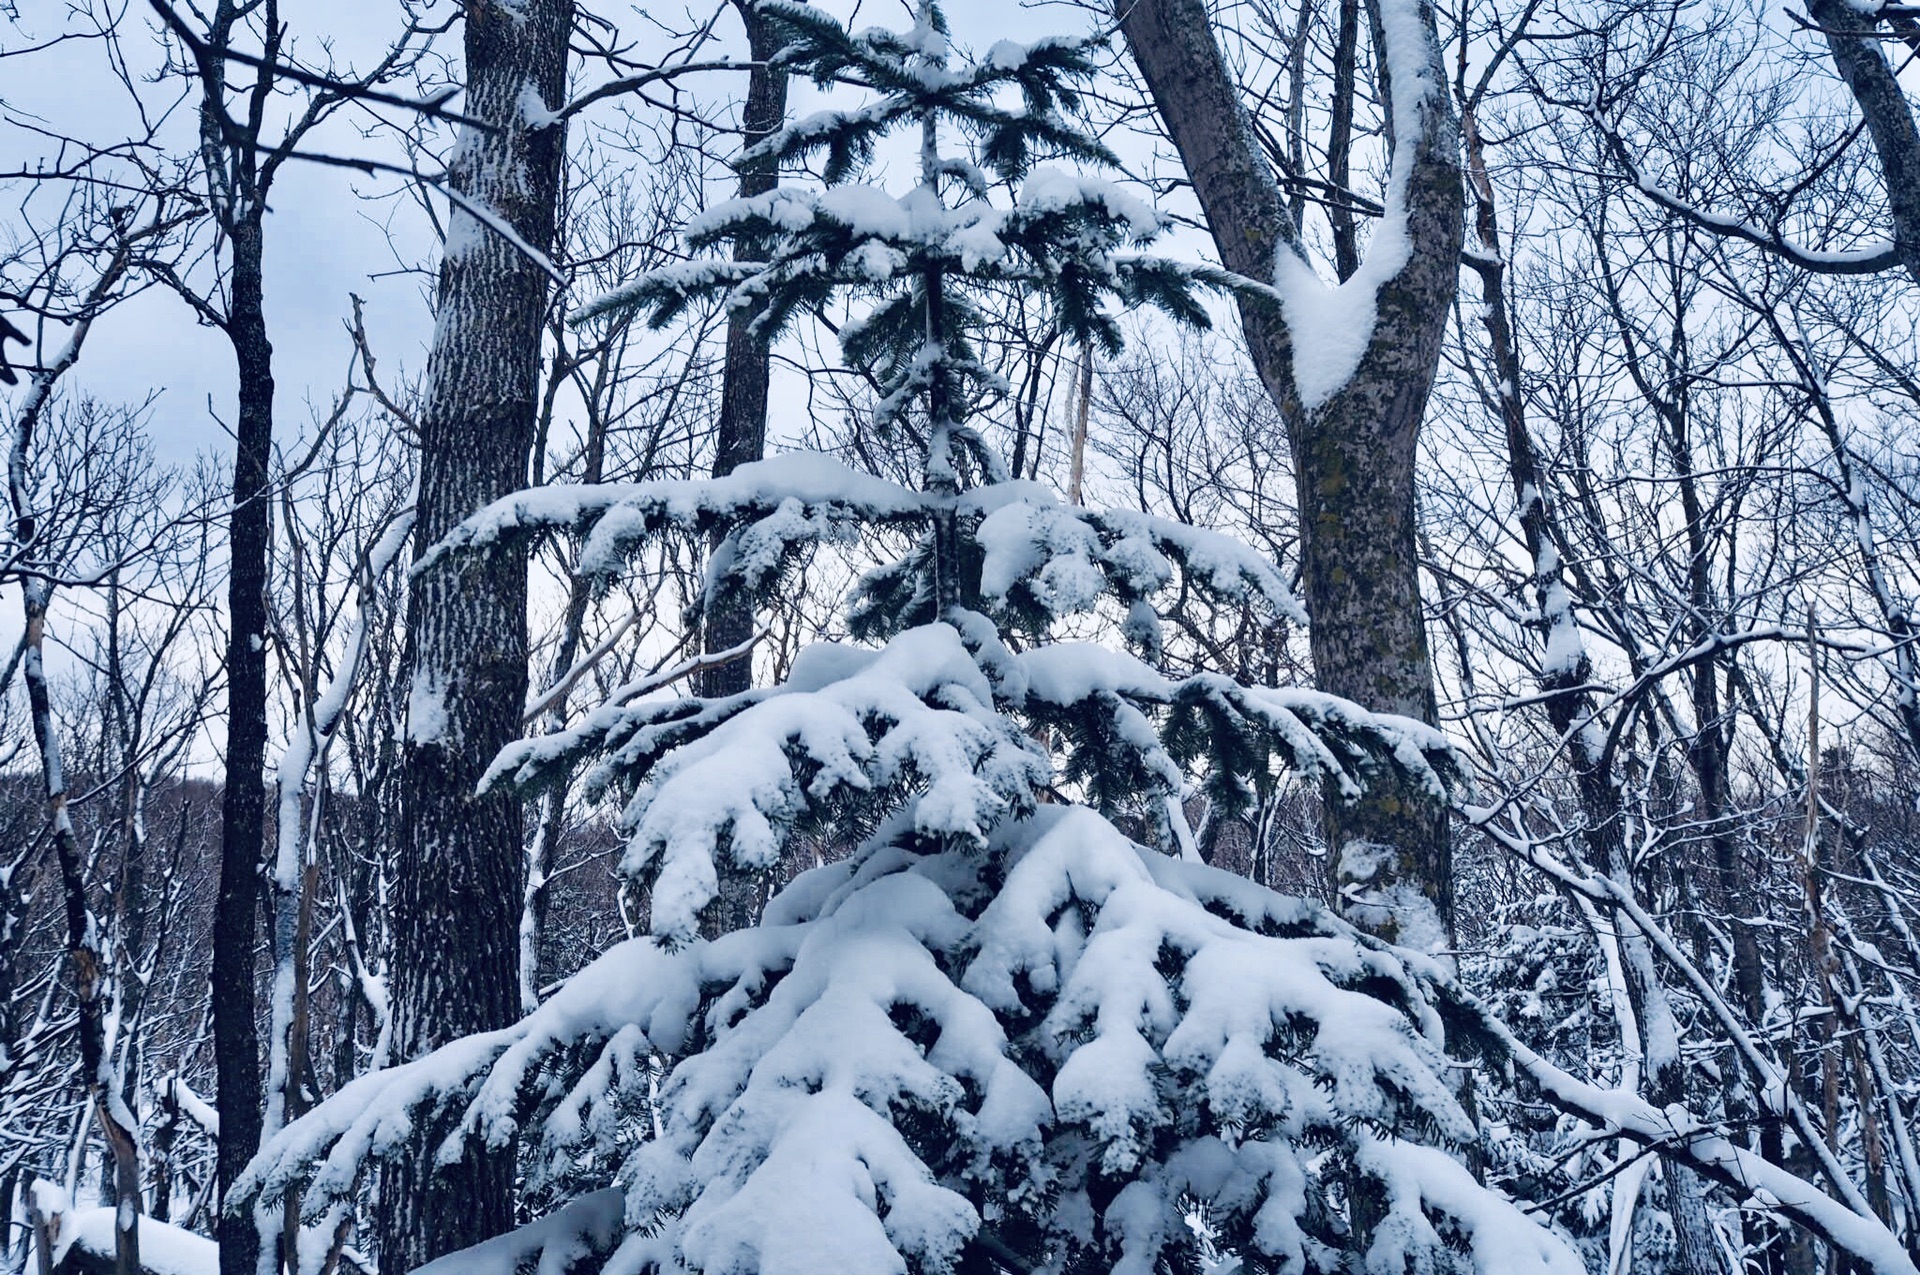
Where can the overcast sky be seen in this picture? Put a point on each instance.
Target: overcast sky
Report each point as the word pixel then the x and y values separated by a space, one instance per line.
pixel 324 239
pixel 331 232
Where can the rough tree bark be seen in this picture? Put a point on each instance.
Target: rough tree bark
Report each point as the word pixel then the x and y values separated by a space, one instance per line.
pixel 742 435
pixel 243 798
pixel 1853 41
pixel 1353 445
pixel 459 866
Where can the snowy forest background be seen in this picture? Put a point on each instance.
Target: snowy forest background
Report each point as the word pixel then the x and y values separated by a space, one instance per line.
pixel 1271 636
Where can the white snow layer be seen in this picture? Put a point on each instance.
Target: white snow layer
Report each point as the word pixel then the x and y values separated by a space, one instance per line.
pixel 164 1249
pixel 875 229
pixel 1331 326
pixel 1175 1032
pixel 723 782
pixel 1028 534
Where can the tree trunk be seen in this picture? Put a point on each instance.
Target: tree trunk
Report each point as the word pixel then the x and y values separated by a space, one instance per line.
pixel 1354 447
pixel 236 1043
pixel 743 438
pixel 1077 445
pixel 458 877
pixel 83 946
pixel 1573 714
pixel 742 435
pixel 1853 41
pixel 1346 232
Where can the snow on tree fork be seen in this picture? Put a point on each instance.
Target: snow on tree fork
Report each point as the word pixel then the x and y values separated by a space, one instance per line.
pixel 1350 366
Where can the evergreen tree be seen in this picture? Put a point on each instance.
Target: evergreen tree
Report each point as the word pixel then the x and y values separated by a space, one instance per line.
pixel 999 1034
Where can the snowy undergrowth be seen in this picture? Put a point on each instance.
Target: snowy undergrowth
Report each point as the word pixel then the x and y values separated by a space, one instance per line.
pixel 1053 1045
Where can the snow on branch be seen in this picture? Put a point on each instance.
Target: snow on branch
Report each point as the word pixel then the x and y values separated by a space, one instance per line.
pixel 636 986
pixel 917 716
pixel 1043 559
pixel 580 1230
pixel 995 1029
pixel 1869 258
pixel 1683 1137
pixel 901 1066
pixel 625 514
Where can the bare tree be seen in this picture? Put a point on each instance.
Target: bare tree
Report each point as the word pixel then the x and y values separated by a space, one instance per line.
pixel 240 158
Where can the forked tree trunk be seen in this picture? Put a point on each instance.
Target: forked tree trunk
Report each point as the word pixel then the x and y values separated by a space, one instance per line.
pixel 1353 446
pixel 458 878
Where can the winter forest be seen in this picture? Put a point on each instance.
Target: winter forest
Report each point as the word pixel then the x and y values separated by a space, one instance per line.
pixel 1019 637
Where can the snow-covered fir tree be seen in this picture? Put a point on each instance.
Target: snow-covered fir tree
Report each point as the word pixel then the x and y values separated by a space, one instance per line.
pixel 1000 1034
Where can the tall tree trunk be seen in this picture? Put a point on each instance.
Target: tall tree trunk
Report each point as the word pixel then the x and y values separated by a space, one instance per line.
pixel 236 1042
pixel 458 885
pixel 1353 444
pixel 1571 709
pixel 83 951
pixel 743 438
pixel 742 435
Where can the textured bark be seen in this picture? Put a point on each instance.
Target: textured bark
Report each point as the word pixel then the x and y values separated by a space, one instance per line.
pixel 1854 45
pixel 742 435
pixel 742 438
pixel 458 875
pixel 1353 453
pixel 236 1041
